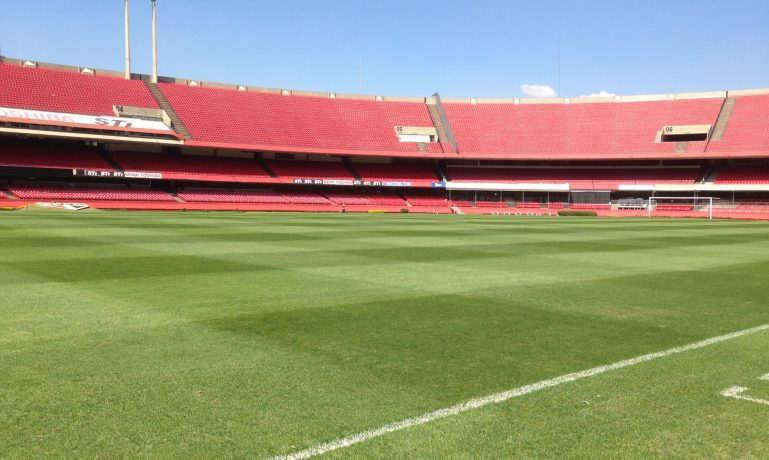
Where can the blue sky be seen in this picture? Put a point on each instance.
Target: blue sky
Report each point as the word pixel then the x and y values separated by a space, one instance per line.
pixel 413 48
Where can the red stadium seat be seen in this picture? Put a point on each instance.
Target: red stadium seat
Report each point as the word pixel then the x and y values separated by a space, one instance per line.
pixel 575 129
pixel 87 192
pixel 260 118
pixel 748 128
pixel 608 178
pixel 416 173
pixel 746 175
pixel 69 92
pixel 36 155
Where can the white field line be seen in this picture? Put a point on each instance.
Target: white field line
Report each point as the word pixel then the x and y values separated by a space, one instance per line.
pixel 737 393
pixel 504 396
pixel 764 377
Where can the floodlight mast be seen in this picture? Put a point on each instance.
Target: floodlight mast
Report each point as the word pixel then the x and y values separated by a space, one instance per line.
pixel 127 45
pixel 154 43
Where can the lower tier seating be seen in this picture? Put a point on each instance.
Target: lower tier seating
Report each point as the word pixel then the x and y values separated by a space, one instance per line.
pixel 528 204
pixel 426 199
pixel 674 207
pixel 490 204
pixel 235 196
pixel 87 192
pixel 251 196
pixel 591 206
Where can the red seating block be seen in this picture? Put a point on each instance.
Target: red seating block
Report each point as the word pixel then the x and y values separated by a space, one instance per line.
pixel 260 118
pixel 69 92
pixel 751 175
pixel 191 166
pixel 35 155
pixel 748 127
pixel 294 169
pixel 578 178
pixel 416 173
pixel 87 192
pixel 594 128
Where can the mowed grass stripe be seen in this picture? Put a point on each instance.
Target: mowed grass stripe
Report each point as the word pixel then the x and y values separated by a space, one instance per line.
pixel 242 346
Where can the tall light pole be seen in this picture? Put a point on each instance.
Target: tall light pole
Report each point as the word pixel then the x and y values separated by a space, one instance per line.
pixel 127 45
pixel 154 43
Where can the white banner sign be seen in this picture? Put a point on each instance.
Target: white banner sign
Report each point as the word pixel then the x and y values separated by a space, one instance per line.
pixel 103 122
pixel 68 206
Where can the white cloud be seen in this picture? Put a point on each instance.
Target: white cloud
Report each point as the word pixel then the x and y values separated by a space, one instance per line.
pixel 601 94
pixel 538 90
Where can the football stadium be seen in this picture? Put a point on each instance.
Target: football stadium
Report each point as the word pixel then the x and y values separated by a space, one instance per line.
pixel 195 269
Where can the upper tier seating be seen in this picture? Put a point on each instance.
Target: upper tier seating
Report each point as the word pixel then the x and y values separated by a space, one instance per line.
pixel 576 129
pixel 752 175
pixel 269 119
pixel 748 127
pixel 588 178
pixel 191 166
pixel 294 169
pixel 69 92
pixel 87 192
pixel 35 155
pixel 415 173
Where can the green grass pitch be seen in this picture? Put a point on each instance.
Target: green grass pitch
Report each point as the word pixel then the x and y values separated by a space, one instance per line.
pixel 198 335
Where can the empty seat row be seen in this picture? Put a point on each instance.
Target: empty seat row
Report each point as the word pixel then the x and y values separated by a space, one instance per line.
pixel 69 92
pixel 37 155
pixel 82 192
pixel 674 207
pixel 591 206
pixel 752 175
pixel 574 175
pixel 575 129
pixel 294 121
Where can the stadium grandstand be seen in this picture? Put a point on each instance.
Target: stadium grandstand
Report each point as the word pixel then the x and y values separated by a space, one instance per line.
pixel 92 136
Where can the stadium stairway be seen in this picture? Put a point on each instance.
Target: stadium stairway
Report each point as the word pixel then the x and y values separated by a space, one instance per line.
pixel 348 165
pixel 266 167
pixel 709 176
pixel 111 161
pixel 723 119
pixel 441 123
pixel 176 122
pixel 441 171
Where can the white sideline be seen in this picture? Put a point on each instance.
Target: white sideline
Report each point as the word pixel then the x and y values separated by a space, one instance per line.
pixel 504 396
pixel 764 377
pixel 737 393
